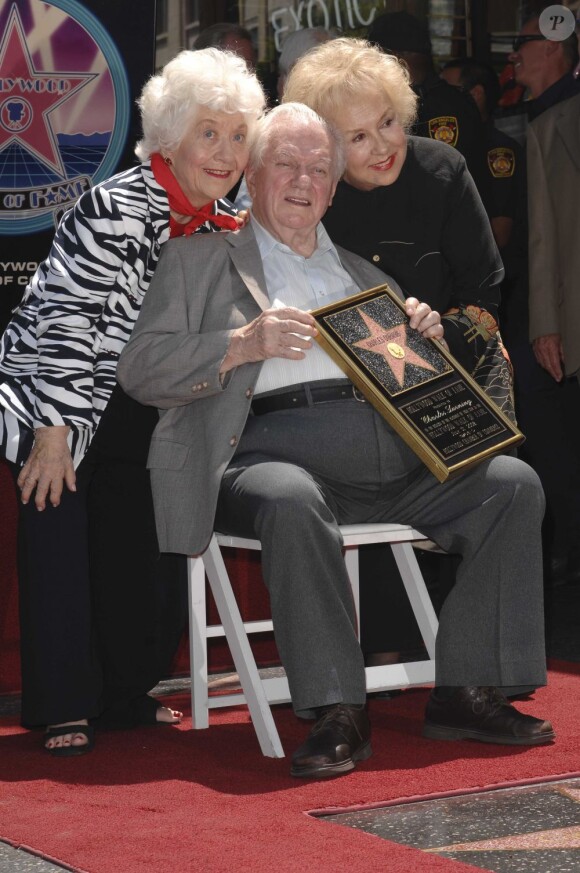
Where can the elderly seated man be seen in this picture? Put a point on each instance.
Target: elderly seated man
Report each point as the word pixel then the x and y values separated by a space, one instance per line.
pixel 260 435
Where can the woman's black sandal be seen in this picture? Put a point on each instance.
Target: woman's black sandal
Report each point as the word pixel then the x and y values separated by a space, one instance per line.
pixel 68 751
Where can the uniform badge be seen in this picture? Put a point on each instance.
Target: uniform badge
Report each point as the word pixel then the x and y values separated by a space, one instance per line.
pixel 444 128
pixel 501 162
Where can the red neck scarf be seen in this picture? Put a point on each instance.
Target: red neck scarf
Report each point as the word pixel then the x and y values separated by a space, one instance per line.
pixel 179 203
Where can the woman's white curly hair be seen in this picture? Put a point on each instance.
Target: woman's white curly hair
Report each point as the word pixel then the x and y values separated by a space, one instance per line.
pixel 210 78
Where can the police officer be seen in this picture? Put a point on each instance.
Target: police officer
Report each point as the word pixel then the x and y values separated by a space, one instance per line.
pixel 443 113
pixel 504 156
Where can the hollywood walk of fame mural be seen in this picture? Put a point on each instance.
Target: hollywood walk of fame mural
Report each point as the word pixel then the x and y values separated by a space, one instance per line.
pixel 70 72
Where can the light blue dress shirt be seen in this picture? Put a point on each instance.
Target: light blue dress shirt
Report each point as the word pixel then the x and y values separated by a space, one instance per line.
pixel 306 283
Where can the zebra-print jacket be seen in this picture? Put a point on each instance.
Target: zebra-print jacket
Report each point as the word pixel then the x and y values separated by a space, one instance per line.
pixel 59 354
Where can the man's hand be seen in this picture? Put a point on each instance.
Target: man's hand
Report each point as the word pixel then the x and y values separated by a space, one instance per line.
pixel 48 468
pixel 550 354
pixel 275 333
pixel 424 319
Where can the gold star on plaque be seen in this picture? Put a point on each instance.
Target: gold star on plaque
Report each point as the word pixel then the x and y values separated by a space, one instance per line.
pixel 391 344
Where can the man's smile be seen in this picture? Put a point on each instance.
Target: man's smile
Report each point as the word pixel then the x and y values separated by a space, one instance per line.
pixel 298 201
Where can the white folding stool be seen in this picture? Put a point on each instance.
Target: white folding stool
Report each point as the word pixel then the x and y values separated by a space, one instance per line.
pixel 260 693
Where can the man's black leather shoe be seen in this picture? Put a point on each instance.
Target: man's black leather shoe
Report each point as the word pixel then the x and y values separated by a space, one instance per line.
pixel 340 738
pixel 482 714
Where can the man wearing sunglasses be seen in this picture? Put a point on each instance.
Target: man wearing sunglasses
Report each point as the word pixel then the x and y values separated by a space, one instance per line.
pixel 547 409
pixel 544 66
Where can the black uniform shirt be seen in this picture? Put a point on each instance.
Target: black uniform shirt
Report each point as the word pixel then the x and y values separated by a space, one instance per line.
pixel 505 165
pixel 446 114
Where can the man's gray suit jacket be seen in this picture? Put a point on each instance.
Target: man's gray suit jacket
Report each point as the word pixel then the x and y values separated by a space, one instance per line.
pixel 203 289
pixel 553 151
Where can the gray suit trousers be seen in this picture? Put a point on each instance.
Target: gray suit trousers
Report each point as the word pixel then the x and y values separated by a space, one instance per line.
pixel 298 474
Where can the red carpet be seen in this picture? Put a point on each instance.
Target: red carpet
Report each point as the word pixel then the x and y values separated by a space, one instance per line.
pixel 172 799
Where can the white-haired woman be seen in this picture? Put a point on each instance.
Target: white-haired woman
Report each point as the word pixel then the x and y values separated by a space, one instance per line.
pixel 92 582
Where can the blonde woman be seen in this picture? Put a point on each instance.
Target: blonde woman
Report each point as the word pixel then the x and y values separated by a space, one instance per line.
pixel 408 205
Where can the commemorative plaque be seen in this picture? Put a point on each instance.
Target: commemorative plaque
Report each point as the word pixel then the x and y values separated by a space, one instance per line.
pixel 414 382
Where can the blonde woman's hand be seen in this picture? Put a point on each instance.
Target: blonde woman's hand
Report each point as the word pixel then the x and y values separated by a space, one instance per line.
pixel 424 319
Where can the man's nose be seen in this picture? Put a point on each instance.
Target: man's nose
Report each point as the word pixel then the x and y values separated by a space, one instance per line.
pixel 301 178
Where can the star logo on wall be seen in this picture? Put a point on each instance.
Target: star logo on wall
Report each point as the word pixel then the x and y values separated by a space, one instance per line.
pixel 392 345
pixel 28 96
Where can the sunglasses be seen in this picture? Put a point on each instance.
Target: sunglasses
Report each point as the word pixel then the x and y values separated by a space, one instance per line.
pixel 519 41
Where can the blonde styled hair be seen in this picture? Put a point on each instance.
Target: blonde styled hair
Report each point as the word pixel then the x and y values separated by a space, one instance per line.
pixel 346 70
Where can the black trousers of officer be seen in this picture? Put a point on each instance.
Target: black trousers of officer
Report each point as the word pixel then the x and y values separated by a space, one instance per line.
pixel 101 610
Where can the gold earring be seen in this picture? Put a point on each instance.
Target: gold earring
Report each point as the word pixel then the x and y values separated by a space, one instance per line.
pixel 168 160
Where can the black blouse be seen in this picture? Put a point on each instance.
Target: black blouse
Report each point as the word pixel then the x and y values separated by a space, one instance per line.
pixel 428 230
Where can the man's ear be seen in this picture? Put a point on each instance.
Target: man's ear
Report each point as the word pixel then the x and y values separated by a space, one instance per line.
pixel 478 94
pixel 551 46
pixel 332 193
pixel 250 177
pixel 477 91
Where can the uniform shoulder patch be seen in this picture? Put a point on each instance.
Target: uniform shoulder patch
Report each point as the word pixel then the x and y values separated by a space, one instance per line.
pixel 501 162
pixel 444 128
